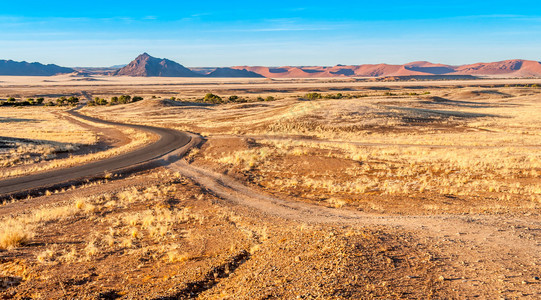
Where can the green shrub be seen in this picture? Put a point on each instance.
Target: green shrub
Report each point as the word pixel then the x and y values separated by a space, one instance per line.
pixel 236 99
pixel 72 100
pixel 61 101
pixel 334 96
pixel 312 96
pixel 211 98
pixel 124 99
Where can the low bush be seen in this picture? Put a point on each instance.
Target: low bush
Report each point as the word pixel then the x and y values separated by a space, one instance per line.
pixel 211 98
pixel 312 96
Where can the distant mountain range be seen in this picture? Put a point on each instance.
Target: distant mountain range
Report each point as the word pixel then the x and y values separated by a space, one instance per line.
pixel 147 66
pixel 14 68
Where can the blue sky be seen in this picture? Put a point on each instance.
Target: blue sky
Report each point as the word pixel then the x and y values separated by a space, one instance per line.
pixel 273 33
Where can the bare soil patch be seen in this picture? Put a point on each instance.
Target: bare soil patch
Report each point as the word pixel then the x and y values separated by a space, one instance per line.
pixel 391 190
pixel 215 251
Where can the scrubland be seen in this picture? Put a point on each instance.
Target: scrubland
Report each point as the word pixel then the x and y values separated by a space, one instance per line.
pixel 33 135
pixel 466 149
pixel 168 238
pixel 398 191
pixel 41 139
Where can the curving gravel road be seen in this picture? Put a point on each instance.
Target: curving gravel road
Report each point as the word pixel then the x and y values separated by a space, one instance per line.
pixel 170 140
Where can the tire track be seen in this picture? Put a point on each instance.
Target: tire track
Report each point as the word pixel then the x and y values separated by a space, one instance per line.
pixel 170 144
pixel 500 252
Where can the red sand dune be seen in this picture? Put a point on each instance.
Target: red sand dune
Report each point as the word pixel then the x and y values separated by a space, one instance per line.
pixel 496 68
pixel 511 68
pixel 290 72
pixel 146 65
pixel 516 67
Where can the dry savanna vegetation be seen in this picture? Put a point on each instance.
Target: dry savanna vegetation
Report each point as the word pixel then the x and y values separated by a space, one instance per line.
pixel 435 150
pixel 41 139
pixel 167 238
pixel 31 136
pixel 334 189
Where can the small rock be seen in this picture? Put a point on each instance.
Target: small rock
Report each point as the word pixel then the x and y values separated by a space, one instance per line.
pixel 441 278
pixel 536 278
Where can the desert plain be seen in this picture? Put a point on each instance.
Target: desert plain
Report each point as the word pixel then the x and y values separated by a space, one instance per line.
pixel 293 188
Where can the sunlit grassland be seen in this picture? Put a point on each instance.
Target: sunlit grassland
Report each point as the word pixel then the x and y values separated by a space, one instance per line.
pixel 45 133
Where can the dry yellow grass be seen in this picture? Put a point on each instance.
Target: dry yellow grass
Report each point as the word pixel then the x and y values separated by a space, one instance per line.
pixel 137 139
pixel 406 145
pixel 46 133
pixel 395 169
pixel 126 229
pixel 370 153
pixel 468 142
pixel 14 234
pixel 44 123
pixel 37 134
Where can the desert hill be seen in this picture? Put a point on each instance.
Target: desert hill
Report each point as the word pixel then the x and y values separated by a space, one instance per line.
pixel 509 68
pixel 229 72
pixel 14 68
pixel 147 66
pixel 517 67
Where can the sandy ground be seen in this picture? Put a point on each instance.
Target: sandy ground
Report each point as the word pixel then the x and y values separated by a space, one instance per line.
pixel 242 231
pixel 481 255
pixel 56 86
pixel 72 80
pixel 247 255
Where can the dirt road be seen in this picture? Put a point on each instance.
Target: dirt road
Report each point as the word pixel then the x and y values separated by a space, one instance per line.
pixel 486 256
pixel 483 255
pixel 170 140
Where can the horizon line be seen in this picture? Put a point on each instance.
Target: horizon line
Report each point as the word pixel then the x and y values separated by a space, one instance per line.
pixel 275 66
